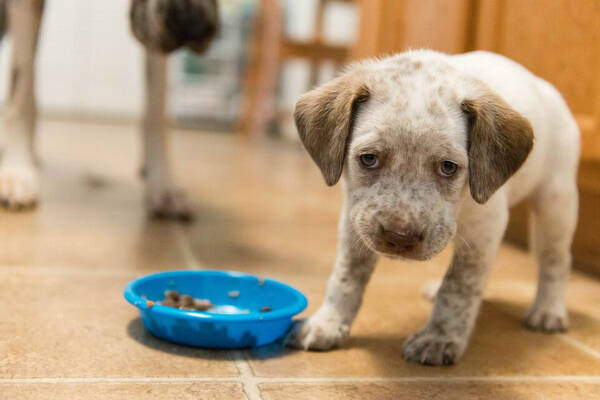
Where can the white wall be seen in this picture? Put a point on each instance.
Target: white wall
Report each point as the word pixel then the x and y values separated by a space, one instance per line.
pixel 88 61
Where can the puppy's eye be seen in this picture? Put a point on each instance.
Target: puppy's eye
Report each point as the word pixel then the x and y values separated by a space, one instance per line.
pixel 369 160
pixel 447 168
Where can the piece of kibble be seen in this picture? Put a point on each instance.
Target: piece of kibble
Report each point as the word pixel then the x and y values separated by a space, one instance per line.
pixel 169 302
pixel 234 294
pixel 185 300
pixel 172 294
pixel 202 304
pixel 265 309
pixel 149 303
pixel 261 281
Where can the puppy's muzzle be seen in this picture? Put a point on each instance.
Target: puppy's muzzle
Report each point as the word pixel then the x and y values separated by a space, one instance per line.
pixel 401 241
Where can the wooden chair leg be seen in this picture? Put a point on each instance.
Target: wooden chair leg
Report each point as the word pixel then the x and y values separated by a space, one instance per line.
pixel 261 81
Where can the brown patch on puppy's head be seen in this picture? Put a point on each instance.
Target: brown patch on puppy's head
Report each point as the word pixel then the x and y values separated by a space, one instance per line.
pixel 324 118
pixel 500 140
pixel 166 25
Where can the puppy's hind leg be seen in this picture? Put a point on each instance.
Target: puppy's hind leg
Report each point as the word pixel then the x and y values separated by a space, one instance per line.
pixel 163 198
pixel 19 180
pixel 554 217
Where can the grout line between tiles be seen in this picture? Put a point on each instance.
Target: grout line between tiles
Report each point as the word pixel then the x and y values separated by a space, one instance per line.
pixel 52 270
pixel 185 249
pixel 246 377
pixel 580 346
pixel 437 379
pixel 242 365
pixel 117 380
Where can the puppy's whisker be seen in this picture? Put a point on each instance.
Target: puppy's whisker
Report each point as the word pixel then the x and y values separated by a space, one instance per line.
pixel 467 244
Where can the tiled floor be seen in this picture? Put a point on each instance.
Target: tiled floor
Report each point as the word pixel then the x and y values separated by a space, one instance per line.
pixel 67 333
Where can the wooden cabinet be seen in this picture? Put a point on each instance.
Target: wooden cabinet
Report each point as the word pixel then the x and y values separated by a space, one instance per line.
pixel 389 26
pixel 558 40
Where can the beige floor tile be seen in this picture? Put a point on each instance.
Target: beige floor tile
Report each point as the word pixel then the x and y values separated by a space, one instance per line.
pixel 514 297
pixel 442 390
pixel 91 212
pixel 393 309
pixel 77 324
pixel 261 208
pixel 584 307
pixel 81 225
pixel 123 391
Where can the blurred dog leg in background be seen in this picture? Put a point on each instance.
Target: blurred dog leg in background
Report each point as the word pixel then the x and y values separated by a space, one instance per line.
pixel 162 26
pixel 19 176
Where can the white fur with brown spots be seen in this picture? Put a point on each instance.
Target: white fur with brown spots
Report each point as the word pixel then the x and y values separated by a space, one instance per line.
pixel 389 127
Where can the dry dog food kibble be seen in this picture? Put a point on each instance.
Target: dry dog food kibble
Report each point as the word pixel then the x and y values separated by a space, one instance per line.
pixel 265 309
pixel 185 301
pixel 234 294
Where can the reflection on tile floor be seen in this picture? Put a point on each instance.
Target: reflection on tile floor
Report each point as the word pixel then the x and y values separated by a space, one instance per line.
pixel 66 332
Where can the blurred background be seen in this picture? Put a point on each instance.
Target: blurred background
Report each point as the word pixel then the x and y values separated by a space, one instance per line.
pixel 268 52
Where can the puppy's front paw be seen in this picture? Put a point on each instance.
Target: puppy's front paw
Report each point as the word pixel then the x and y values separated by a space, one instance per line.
pixel 19 185
pixel 319 332
pixel 433 348
pixel 550 319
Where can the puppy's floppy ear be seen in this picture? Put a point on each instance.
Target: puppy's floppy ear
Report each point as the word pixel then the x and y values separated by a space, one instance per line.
pixel 500 140
pixel 324 118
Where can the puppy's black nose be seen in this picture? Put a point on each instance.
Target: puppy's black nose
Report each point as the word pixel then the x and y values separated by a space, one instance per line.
pixel 401 240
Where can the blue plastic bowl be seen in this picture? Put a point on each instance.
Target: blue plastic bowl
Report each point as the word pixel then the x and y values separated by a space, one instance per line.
pixel 206 329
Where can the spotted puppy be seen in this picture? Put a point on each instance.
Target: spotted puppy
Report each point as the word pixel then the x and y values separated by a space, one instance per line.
pixel 161 26
pixel 433 148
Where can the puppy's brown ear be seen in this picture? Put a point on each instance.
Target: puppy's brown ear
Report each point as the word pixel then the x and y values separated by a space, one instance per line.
pixel 324 118
pixel 500 140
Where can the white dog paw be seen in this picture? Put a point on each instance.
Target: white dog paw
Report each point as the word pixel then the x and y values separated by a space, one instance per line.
pixel 19 186
pixel 550 319
pixel 169 204
pixel 431 348
pixel 317 333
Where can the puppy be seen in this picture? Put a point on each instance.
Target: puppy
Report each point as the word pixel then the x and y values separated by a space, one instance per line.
pixel 161 26
pixel 432 148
